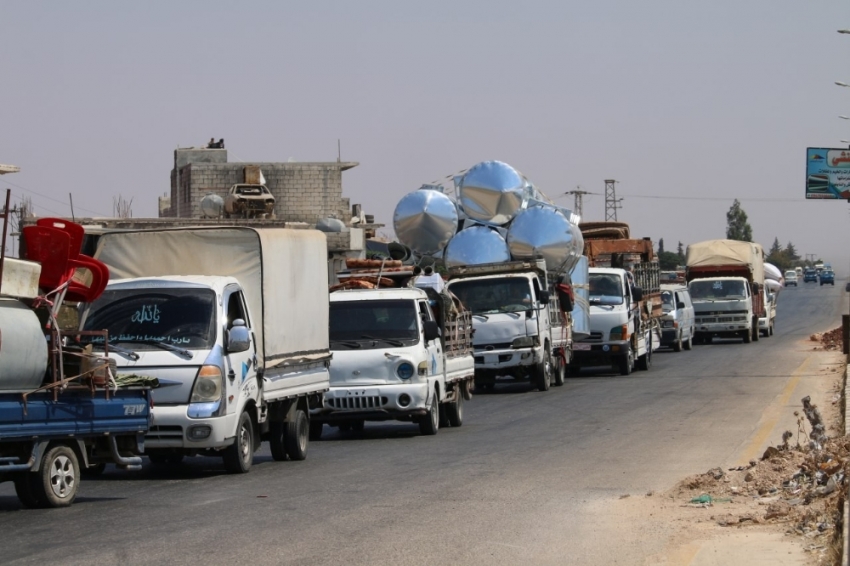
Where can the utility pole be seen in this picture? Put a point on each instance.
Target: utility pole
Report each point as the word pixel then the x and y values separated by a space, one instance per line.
pixel 612 203
pixel 578 193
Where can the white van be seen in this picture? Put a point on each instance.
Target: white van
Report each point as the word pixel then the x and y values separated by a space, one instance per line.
pixel 677 324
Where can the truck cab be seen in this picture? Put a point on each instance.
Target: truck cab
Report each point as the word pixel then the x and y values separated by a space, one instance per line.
pixel 723 307
pixel 518 332
pixel 768 320
pixel 394 359
pixel 619 335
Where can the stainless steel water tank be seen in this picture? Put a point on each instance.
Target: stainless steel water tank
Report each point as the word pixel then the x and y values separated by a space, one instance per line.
pixel 476 245
pixel 492 192
pixel 425 220
pixel 543 231
pixel 581 308
pixel 23 348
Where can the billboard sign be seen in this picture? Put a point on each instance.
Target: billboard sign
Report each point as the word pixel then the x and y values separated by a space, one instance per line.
pixel 827 173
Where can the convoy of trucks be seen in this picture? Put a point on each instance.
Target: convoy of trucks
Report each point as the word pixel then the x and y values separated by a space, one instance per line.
pixel 726 281
pixel 218 316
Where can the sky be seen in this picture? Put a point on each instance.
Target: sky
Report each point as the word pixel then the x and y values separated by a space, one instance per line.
pixel 688 105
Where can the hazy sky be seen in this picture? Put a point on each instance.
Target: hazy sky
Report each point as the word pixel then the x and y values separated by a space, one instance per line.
pixel 706 100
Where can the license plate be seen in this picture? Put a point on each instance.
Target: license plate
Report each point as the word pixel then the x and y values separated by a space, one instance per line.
pixel 491 358
pixel 580 346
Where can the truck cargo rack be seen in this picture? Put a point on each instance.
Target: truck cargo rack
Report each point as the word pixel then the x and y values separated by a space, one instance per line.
pixel 497 268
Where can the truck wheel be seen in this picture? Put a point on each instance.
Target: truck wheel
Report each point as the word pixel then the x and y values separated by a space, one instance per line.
pixel 239 456
pixel 316 430
pixel 57 481
pixel 677 345
pixel 25 490
pixel 625 362
pixel 756 333
pixel 455 411
pixel 770 330
pixel 543 372
pixel 748 336
pixel 430 423
pixel 277 431
pixel 444 415
pixel 297 437
pixel 560 371
pixel 690 343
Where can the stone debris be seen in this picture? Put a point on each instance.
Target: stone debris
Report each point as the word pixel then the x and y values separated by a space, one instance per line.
pixel 830 340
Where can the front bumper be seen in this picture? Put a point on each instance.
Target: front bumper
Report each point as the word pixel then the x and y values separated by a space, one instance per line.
pixel 374 402
pixel 600 353
pixel 507 358
pixel 669 336
pixel 172 428
pixel 723 329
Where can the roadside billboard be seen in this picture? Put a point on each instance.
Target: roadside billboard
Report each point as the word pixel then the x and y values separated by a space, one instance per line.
pixel 827 173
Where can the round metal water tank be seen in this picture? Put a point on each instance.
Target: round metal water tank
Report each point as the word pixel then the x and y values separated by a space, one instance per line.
pixel 542 231
pixel 492 192
pixel 476 245
pixel 425 220
pixel 581 307
pixel 23 348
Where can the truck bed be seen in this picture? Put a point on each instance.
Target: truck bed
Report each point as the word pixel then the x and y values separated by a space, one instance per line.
pixel 77 412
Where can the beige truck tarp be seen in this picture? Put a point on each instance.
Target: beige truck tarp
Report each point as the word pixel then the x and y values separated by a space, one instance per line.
pixel 715 253
pixel 284 274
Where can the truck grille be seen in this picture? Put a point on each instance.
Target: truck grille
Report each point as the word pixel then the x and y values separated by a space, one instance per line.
pixel 372 402
pixel 165 433
pixel 597 336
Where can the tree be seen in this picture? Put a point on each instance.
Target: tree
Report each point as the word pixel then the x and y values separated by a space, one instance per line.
pixel 668 261
pixel 737 227
pixel 791 252
pixel 680 251
pixel 776 248
pixel 660 246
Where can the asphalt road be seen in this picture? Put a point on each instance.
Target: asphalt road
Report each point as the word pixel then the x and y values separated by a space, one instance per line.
pixel 526 479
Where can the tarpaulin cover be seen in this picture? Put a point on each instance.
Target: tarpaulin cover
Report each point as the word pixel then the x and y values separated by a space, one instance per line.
pixel 719 253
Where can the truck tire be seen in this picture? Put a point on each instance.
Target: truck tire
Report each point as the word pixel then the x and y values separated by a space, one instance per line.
pixel 316 429
pixel 430 423
pixel 644 362
pixel 560 372
pixel 748 335
pixel 770 330
pixel 25 490
pixel 690 343
pixel 277 445
pixel 543 372
pixel 239 456
pixel 756 333
pixel 677 345
pixel 297 436
pixel 625 362
pixel 444 415
pixel 56 482
pixel 454 411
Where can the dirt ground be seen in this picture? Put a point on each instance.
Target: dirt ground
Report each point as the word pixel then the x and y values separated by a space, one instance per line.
pixel 783 508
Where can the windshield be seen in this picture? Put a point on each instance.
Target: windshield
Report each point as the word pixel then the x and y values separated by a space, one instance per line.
pixel 355 324
pixel 181 317
pixel 490 296
pixel 718 290
pixel 667 300
pixel 605 289
pixel 792 274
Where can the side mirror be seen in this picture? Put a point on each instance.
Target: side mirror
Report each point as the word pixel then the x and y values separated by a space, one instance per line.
pixel 543 296
pixel 432 330
pixel 238 337
pixel 680 305
pixel 637 293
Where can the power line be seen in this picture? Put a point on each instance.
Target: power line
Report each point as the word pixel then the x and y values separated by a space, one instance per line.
pixel 51 198
pixel 742 199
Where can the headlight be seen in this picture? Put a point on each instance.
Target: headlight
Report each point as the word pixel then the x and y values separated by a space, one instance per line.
pixel 405 370
pixel 523 342
pixel 208 385
pixel 669 324
pixel 620 332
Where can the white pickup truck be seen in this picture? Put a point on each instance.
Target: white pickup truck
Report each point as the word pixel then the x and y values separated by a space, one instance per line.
pixel 395 358
pixel 233 322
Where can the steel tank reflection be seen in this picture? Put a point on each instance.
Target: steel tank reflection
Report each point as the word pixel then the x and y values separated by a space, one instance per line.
pixel 425 220
pixel 581 308
pixel 476 245
pixel 492 192
pixel 24 362
pixel 544 231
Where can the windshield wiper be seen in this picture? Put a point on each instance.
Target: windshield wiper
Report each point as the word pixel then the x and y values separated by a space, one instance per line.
pixel 390 341
pixel 349 343
pixel 484 316
pixel 115 348
pixel 163 345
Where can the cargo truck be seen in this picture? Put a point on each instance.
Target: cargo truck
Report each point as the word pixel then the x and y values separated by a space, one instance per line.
pixel 521 331
pixel 625 300
pixel 726 281
pixel 233 322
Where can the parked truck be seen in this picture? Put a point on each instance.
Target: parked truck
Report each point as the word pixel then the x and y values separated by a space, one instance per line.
pixel 521 332
pixel 398 355
pixel 767 321
pixel 233 322
pixel 726 281
pixel 625 300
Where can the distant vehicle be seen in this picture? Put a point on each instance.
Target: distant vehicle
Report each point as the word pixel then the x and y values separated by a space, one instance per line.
pixel 249 201
pixel 768 321
pixel 827 276
pixel 677 323
pixel 811 276
pixel 790 278
pixel 819 266
pixel 799 271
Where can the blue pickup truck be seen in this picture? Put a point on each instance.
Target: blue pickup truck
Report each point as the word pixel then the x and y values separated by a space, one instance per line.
pixel 827 276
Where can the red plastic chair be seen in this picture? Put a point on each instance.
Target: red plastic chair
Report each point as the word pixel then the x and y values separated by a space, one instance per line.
pixel 77 292
pixel 75 231
pixel 50 247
